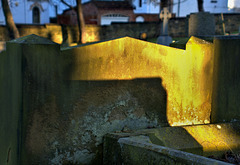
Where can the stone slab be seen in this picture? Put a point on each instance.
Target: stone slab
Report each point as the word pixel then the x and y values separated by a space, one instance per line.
pixel 176 138
pixel 142 152
pixel 138 149
pixel 166 142
pixel 215 139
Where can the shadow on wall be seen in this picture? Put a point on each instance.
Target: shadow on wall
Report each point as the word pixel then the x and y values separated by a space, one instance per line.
pixel 74 119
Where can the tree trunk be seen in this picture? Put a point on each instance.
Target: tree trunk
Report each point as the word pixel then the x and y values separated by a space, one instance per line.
pixel 12 29
pixel 163 3
pixel 200 6
pixel 81 23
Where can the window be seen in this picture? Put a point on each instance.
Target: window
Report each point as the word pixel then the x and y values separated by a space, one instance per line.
pixel 114 15
pixel 213 1
pixel 139 19
pixel 140 3
pixel 36 15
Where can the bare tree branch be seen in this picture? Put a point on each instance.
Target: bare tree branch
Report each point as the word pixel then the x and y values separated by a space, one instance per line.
pixel 200 6
pixel 81 23
pixel 65 3
pixel 12 29
pixel 80 18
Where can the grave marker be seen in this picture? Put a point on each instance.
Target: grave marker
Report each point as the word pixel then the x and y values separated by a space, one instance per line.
pixel 201 24
pixel 164 38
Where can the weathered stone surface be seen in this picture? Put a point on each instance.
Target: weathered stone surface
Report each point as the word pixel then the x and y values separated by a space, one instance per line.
pixel 216 139
pixel 140 146
pixel 32 39
pixel 201 24
pixel 176 138
pixel 142 152
pixel 138 150
pixel 66 100
pixel 226 79
pixel 127 58
pixel 10 103
pixel 211 139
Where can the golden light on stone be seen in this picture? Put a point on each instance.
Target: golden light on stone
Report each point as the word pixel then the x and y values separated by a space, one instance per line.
pixel 186 74
pixel 215 138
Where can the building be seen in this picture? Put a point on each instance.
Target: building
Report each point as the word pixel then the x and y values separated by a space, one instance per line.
pixel 100 13
pixel 106 12
pixel 234 6
pixel 182 8
pixel 28 11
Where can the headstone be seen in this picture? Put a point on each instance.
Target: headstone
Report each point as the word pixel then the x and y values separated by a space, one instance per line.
pixel 201 24
pixel 164 38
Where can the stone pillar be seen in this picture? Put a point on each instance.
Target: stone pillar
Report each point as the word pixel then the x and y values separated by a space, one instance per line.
pixel 10 104
pixel 28 79
pixel 226 80
pixel 201 24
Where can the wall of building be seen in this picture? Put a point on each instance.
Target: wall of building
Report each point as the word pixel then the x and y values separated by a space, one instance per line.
pixel 22 12
pixel 146 7
pixel 212 6
pixel 43 8
pixel 90 13
pixel 148 17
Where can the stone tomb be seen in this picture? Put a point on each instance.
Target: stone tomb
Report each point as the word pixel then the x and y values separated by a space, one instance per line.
pixel 57 104
pixel 201 24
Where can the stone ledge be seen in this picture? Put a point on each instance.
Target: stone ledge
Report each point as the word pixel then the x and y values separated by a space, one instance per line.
pixel 132 147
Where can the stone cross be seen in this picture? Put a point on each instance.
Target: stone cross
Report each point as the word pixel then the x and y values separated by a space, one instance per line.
pixel 165 15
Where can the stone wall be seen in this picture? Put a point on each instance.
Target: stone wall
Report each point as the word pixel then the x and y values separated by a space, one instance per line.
pixel 232 23
pixel 69 34
pixel 178 27
pixel 50 31
pixel 62 102
pixel 131 29
pixel 57 104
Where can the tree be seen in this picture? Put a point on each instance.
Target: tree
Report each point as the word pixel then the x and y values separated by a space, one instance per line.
pixel 81 23
pixel 80 18
pixel 12 29
pixel 164 3
pixel 200 6
pixel 167 3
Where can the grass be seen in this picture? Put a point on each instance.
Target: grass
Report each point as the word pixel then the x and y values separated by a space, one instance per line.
pixel 154 40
